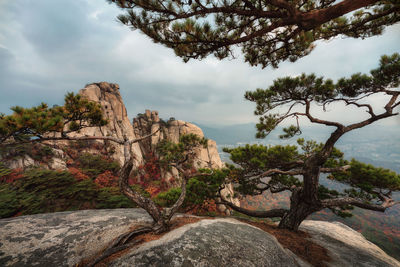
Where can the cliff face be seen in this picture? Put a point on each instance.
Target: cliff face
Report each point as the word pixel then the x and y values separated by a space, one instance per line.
pixel 108 96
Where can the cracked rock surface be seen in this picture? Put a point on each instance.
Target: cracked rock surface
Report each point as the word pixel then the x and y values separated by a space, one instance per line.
pixel 62 238
pixel 215 242
pixel 65 238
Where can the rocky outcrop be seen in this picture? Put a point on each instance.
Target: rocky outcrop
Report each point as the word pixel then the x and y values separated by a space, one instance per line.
pixel 119 125
pixel 346 246
pixel 65 238
pixel 172 130
pixel 108 96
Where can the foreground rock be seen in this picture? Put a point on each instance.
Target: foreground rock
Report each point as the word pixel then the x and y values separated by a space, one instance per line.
pixel 62 238
pixel 211 242
pixel 65 238
pixel 346 247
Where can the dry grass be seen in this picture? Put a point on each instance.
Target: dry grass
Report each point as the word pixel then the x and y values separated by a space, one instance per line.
pixel 297 242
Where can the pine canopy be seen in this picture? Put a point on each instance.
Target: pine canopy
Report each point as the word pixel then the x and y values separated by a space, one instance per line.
pixel 268 32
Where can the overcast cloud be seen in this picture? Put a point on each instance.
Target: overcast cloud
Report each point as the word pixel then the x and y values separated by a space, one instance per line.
pixel 50 47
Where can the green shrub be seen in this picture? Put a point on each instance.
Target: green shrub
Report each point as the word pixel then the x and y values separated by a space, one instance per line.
pixel 94 165
pixel 42 191
pixel 38 152
pixel 199 189
pixel 111 198
pixel 9 203
pixel 4 170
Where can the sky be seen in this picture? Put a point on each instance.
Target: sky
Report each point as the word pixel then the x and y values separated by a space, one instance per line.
pixel 51 47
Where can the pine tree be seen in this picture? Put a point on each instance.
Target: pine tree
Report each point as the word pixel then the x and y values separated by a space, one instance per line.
pixel 41 123
pixel 268 32
pixel 277 168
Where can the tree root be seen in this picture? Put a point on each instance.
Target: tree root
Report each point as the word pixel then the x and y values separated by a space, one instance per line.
pixel 119 244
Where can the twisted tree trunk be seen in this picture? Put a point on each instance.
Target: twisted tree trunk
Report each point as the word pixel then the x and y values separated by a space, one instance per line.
pixel 305 201
pixel 300 209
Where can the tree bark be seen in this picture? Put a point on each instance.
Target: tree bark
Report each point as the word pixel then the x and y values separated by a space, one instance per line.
pixel 299 211
pixel 160 224
pixel 312 19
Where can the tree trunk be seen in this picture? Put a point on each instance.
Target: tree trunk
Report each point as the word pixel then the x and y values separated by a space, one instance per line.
pixel 299 211
pixel 305 201
pixel 314 18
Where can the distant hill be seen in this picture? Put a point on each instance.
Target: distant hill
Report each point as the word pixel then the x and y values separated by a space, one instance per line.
pixel 232 134
pixel 377 145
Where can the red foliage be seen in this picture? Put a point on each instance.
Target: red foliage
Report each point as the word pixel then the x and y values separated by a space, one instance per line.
pixel 72 153
pixel 106 179
pixel 19 213
pixel 210 205
pixel 207 206
pixel 13 176
pixel 77 174
pixel 148 172
pixel 153 190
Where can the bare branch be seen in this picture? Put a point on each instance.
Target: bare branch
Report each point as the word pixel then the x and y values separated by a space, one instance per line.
pixel 390 105
pixel 77 138
pixel 338 169
pixel 144 137
pixel 255 213
pixel 278 171
pixel 319 121
pixel 338 202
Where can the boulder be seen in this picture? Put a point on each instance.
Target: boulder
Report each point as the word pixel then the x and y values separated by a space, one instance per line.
pixel 62 238
pixel 21 162
pixel 345 246
pixel 210 242
pixel 66 238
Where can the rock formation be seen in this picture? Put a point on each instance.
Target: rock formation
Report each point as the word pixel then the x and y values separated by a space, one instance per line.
pixel 150 122
pixel 119 125
pixel 172 130
pixel 65 238
pixel 108 96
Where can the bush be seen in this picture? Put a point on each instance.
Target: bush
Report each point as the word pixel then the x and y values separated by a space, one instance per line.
pixel 4 171
pixel 93 165
pixel 111 198
pixel 200 191
pixel 42 191
pixel 38 152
